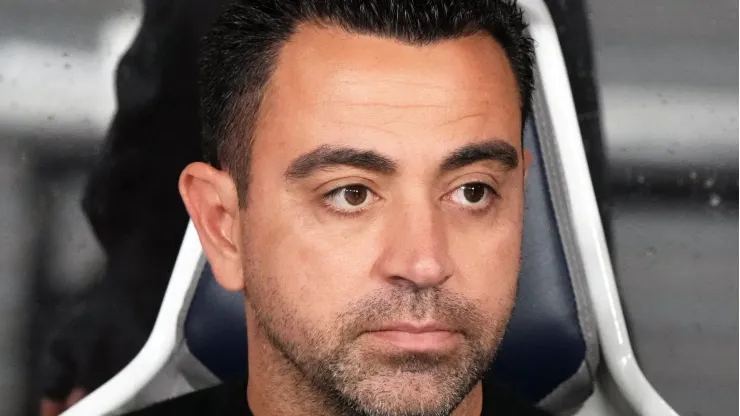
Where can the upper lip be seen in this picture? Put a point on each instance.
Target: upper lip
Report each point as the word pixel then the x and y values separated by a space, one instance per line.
pixel 413 327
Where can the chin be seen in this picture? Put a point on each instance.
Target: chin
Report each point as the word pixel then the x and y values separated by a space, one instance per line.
pixel 415 390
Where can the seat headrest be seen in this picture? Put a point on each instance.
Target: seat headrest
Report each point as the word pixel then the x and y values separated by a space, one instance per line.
pixel 544 348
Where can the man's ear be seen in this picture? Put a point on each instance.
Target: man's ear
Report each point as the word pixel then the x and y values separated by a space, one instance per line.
pixel 210 196
pixel 527 161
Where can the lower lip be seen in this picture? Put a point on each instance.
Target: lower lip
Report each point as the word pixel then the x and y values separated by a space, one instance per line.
pixel 422 341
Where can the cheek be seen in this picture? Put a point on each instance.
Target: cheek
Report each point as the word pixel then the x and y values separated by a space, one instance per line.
pixel 488 262
pixel 315 269
pixel 338 264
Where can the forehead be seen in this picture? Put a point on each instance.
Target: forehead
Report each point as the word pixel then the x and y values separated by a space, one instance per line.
pixel 329 79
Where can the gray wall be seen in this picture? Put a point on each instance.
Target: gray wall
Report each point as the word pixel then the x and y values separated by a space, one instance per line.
pixel 668 76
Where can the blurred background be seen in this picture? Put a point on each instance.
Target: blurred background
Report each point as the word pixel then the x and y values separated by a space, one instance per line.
pixel 668 80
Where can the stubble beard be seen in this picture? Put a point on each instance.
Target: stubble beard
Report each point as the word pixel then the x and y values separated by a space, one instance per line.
pixel 349 377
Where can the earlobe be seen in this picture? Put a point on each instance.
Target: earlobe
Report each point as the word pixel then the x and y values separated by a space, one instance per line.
pixel 210 197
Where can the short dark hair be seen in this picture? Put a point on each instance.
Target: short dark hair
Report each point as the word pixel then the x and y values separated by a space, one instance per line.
pixel 239 53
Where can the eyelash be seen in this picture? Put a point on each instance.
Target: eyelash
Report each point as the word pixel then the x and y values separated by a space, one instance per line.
pixel 492 194
pixel 326 198
pixel 345 213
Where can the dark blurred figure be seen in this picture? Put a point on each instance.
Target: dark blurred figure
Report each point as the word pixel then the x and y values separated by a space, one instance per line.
pixel 134 207
pixel 132 202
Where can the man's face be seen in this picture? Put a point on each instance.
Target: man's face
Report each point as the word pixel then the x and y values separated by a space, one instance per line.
pixel 382 229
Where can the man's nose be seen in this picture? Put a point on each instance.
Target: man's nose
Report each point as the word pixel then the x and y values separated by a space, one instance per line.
pixel 416 248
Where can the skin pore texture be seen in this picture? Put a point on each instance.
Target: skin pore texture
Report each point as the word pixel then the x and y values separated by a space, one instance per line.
pixel 379 246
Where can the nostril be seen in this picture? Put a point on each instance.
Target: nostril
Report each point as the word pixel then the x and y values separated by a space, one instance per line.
pixel 405 283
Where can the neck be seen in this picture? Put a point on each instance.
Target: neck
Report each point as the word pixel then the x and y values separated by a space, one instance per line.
pixel 472 405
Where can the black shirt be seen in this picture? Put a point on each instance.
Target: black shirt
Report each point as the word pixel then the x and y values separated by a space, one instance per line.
pixel 230 399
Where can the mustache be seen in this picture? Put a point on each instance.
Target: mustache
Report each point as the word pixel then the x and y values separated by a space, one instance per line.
pixel 453 311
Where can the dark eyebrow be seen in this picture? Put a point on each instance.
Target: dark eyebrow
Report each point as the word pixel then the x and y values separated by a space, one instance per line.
pixel 327 156
pixel 496 150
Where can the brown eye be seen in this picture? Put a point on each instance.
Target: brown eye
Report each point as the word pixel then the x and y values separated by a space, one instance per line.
pixel 350 198
pixel 355 195
pixel 474 196
pixel 474 192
